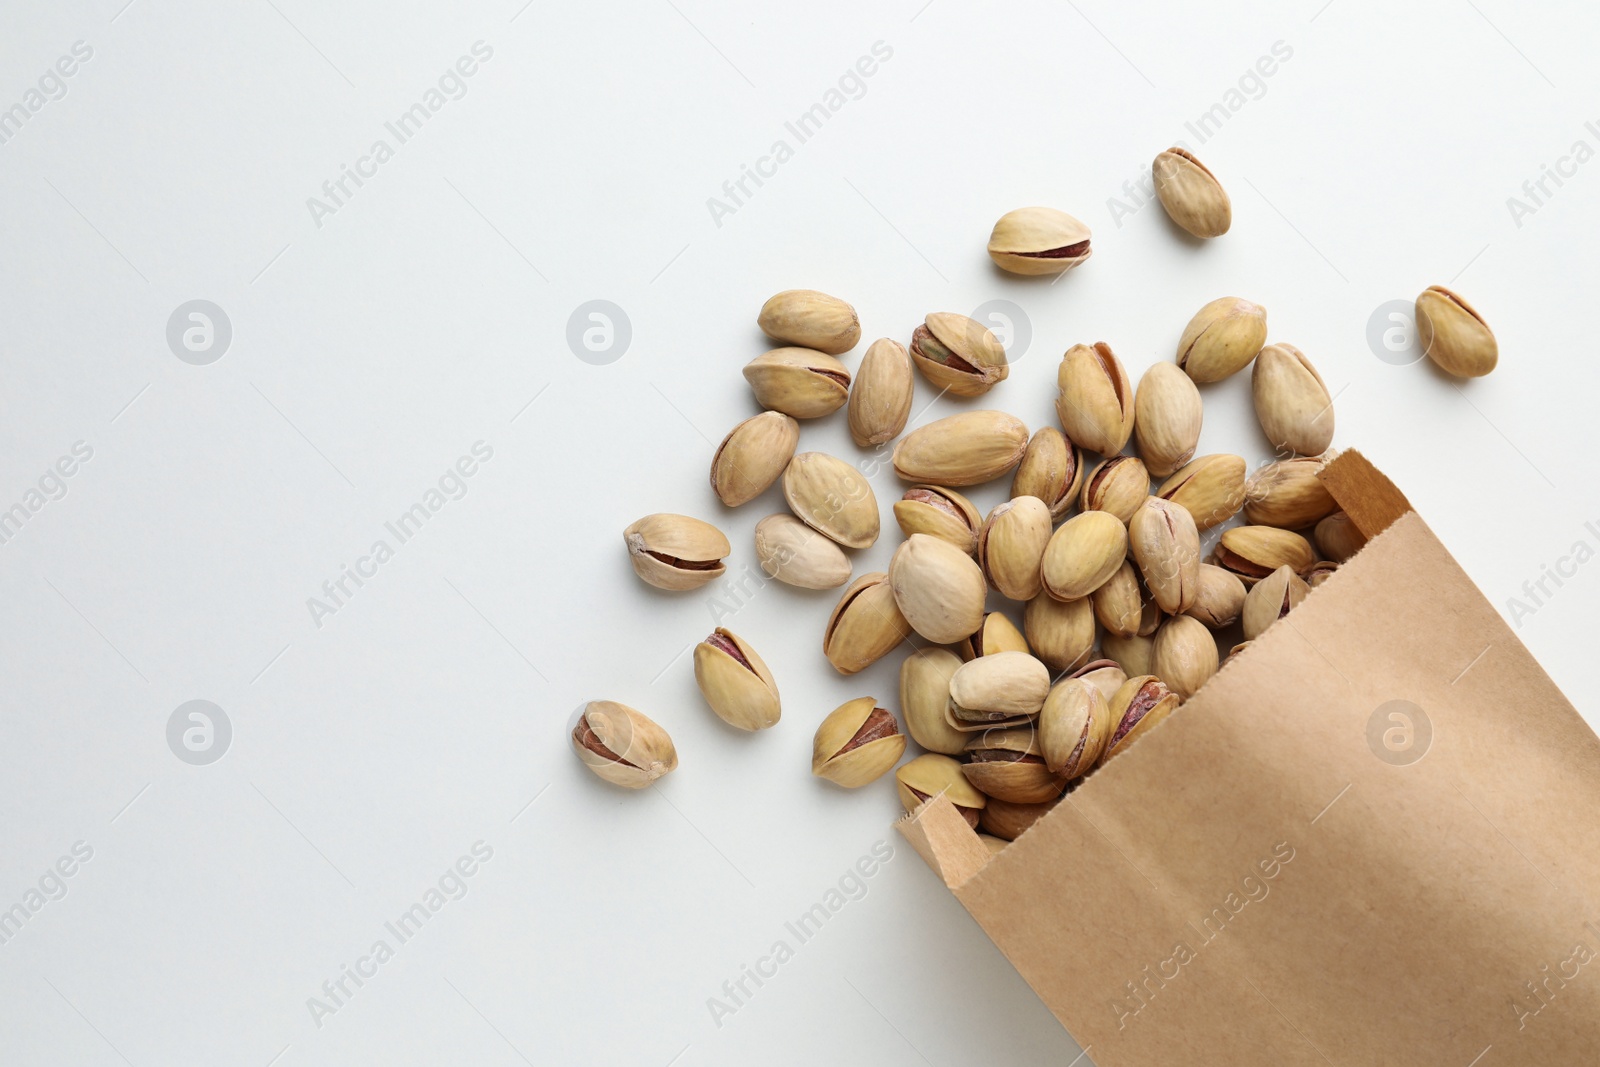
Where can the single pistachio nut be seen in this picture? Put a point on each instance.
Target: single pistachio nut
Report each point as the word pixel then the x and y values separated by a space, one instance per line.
pixel 880 397
pixel 1253 552
pixel 996 634
pixel 798 382
pixel 676 552
pixel 924 696
pixel 1454 335
pixel 1011 546
pixel 832 497
pixel 1119 603
pixel 865 625
pixel 1210 488
pixel 1288 494
pixel 621 745
pixel 939 512
pixel 1222 338
pixel 966 449
pixel 939 589
pixel 1094 399
pixel 999 687
pixel 810 319
pixel 1007 821
pixel 1059 633
pixel 958 355
pixel 1038 240
pixel 795 554
pixel 1135 655
pixel 1152 618
pixel 1292 401
pixel 1073 727
pixel 931 774
pixel 1008 764
pixel 1117 485
pixel 1105 675
pixel 1221 597
pixel 1320 572
pixel 735 681
pixel 1167 413
pixel 1164 542
pixel 1051 469
pixel 1083 554
pixel 1191 194
pixel 857 743
pixel 1338 538
pixel 1271 599
pixel 1139 705
pixel 1185 655
pixel 752 456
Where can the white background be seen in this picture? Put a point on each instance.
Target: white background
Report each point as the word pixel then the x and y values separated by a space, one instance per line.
pixel 372 351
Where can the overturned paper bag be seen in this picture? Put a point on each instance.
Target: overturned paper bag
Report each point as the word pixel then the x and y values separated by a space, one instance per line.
pixel 1372 838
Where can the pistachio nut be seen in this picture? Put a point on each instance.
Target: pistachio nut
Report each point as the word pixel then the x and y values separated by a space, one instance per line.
pixel 1271 599
pixel 1117 485
pixel 798 382
pixel 1236 649
pixel 880 398
pixel 1288 494
pixel 1191 194
pixel 858 742
pixel 810 319
pixel 752 456
pixel 1095 399
pixel 1119 602
pixel 735 681
pixel 1221 597
pixel 1083 554
pixel 1152 617
pixel 1073 727
pixel 958 355
pixel 1211 488
pixel 1011 546
pixel 795 554
pixel 924 696
pixel 1320 572
pixel 966 449
pixel 676 552
pixel 865 625
pixel 1104 674
pixel 939 512
pixel 1008 764
pixel 1038 240
pixel 997 634
pixel 1185 655
pixel 1164 542
pixel 1338 538
pixel 1135 655
pixel 1253 552
pixel 1292 401
pixel 621 745
pixel 1060 633
pixel 931 774
pixel 1222 338
pixel 939 589
pixel 1454 335
pixel 1051 469
pixel 832 497
pixel 1006 821
pixel 1167 413
pixel 998 687
pixel 1139 705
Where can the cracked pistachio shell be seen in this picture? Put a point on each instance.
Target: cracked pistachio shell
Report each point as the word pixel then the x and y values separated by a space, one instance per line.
pixel 1454 335
pixel 1059 633
pixel 795 554
pixel 1083 554
pixel 958 355
pixel 1210 488
pixel 1038 240
pixel 939 589
pixel 1164 542
pixel 1011 546
pixel 1051 469
pixel 1007 821
pixel 1270 600
pixel 939 512
pixel 735 681
pixel 1134 655
pixel 1185 655
pixel 1222 338
pixel 1105 675
pixel 1139 705
pixel 858 742
pixel 832 497
pixel 966 449
pixel 1119 603
pixel 1117 485
pixel 865 625
pixel 752 456
pixel 1320 572
pixel 810 319
pixel 1008 765
pixel 1167 413
pixel 1292 402
pixel 1073 727
pixel 676 552
pixel 880 397
pixel 1338 538
pixel 997 634
pixel 1094 399
pixel 1253 552
pixel 1191 194
pixel 924 695
pixel 1288 494
pixel 1002 686
pixel 931 774
pixel 621 745
pixel 799 382
pixel 1221 597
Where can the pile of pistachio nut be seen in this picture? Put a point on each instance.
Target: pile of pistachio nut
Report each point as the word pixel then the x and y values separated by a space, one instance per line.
pixel 1100 544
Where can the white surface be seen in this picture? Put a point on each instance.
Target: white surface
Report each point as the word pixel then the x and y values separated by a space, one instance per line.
pixel 369 354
